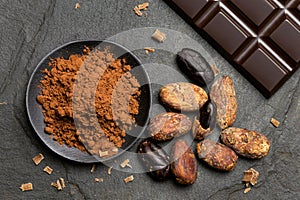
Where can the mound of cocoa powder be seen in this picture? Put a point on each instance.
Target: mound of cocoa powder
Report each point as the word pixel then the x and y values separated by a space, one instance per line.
pixel 103 93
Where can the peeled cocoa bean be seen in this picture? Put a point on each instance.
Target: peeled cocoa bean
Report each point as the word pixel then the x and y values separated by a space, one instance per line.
pixel 193 64
pixel 183 96
pixel 223 95
pixel 246 143
pixel 166 126
pixel 155 160
pixel 217 155
pixel 184 165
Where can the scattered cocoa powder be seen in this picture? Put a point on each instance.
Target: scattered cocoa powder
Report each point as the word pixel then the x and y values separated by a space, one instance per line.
pixel 112 102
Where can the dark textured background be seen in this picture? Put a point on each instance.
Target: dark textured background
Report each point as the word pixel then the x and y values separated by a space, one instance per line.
pixel 31 29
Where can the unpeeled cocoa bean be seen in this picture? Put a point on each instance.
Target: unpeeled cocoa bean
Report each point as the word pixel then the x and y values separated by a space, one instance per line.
pixel 183 96
pixel 217 155
pixel 246 143
pixel 195 66
pixel 184 165
pixel 223 95
pixel 166 126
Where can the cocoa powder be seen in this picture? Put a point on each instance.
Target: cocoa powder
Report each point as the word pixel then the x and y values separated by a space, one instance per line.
pixel 103 112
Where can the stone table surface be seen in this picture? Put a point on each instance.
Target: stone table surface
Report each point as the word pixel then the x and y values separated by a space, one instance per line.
pixel 30 29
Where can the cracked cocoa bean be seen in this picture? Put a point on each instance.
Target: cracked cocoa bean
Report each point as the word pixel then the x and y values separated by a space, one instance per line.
pixel 223 95
pixel 193 64
pixel 203 127
pixel 183 96
pixel 184 165
pixel 155 159
pixel 246 143
pixel 217 155
pixel 166 126
pixel 208 115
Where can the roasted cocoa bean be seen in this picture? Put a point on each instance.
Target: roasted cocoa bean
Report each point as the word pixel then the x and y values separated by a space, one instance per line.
pixel 223 95
pixel 246 143
pixel 166 126
pixel 184 165
pixel 193 64
pixel 154 159
pixel 183 96
pixel 217 155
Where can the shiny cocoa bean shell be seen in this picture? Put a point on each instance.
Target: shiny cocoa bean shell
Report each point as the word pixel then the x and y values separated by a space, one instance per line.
pixel 208 113
pixel 154 159
pixel 194 65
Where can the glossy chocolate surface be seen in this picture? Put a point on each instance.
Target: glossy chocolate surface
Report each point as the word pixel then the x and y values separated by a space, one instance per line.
pixel 261 38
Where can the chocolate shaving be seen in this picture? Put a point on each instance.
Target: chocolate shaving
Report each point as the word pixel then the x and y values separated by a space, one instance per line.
pixel 38 159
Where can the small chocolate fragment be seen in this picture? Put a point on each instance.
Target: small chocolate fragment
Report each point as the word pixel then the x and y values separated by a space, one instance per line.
pixel 183 96
pixel 155 159
pixel 246 143
pixel 275 122
pixel 166 126
pixel 195 66
pixel 217 155
pixel 26 187
pixel 184 165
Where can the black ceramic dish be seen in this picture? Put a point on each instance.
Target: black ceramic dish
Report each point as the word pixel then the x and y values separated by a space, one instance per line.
pixel 34 110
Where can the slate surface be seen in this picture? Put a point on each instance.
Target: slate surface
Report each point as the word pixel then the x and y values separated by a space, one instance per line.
pixel 31 29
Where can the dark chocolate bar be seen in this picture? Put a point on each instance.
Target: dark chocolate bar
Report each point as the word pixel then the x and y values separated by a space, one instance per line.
pixel 260 38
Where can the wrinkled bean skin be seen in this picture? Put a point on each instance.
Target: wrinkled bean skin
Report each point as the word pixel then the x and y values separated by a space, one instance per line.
pixel 183 96
pixel 193 64
pixel 184 165
pixel 208 114
pixel 155 159
pixel 217 155
pixel 166 126
pixel 247 143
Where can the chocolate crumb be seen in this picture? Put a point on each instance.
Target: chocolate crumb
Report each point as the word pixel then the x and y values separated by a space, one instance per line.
pixel 26 187
pixel 125 163
pixel 143 6
pixel 38 159
pixel 109 170
pixel 247 190
pixel 275 122
pixel 77 5
pixel 159 36
pixel 48 170
pixel 93 168
pixel 251 176
pixel 215 70
pixel 149 50
pixel 99 180
pixel 137 11
pixel 129 179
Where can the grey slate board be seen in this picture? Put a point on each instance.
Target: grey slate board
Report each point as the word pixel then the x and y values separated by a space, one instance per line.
pixel 31 29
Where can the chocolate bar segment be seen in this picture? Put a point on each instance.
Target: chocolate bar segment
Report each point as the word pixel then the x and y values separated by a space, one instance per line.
pixel 261 38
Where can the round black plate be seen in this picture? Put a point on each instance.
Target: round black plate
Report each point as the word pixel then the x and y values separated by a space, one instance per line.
pixel 34 110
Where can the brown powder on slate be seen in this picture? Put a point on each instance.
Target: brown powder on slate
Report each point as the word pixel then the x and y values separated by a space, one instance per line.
pixel 112 103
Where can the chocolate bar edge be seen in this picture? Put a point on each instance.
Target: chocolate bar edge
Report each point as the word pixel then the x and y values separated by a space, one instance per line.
pixel 265 92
